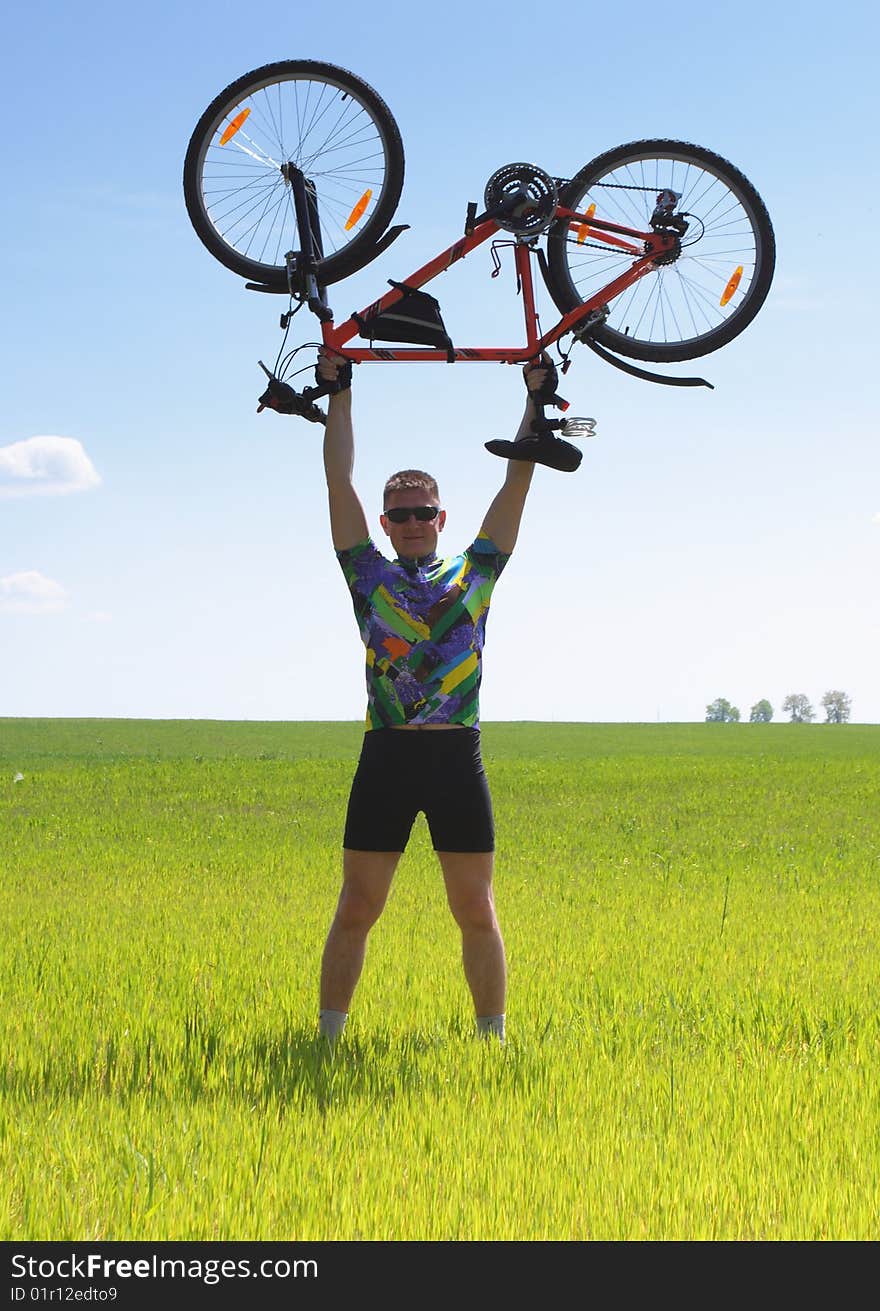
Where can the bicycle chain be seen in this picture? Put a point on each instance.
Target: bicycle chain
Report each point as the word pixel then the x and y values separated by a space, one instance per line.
pixel 623 186
pixel 616 186
pixel 592 245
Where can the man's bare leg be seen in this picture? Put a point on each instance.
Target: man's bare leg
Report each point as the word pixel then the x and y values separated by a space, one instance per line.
pixel 468 878
pixel 366 880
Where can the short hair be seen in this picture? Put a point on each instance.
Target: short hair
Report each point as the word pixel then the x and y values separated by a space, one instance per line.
pixel 411 480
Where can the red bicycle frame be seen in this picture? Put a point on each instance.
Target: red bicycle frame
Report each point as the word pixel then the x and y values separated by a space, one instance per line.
pixel 651 245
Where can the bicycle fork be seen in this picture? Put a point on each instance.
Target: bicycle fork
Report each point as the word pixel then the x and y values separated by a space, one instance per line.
pixel 302 264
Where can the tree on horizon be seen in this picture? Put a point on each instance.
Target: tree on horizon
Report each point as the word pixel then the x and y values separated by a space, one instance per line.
pixel 798 707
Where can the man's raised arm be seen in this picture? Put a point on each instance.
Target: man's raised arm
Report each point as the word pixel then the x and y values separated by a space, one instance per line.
pixel 348 522
pixel 503 517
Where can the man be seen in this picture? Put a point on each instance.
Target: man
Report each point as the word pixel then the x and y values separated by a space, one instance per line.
pixel 422 620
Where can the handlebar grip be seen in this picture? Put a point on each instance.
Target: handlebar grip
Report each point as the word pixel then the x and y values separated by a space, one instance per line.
pixel 281 398
pixel 547 394
pixel 278 396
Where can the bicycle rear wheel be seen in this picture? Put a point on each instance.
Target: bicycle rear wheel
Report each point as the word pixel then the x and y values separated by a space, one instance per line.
pixel 328 123
pixel 712 290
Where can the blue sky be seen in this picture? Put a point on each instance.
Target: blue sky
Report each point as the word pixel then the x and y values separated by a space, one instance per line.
pixel 165 551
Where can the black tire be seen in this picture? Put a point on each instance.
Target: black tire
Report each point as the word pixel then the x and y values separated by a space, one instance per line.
pixel 329 123
pixel 673 313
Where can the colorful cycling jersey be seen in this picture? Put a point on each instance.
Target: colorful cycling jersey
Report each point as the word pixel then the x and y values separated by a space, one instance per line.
pixel 423 624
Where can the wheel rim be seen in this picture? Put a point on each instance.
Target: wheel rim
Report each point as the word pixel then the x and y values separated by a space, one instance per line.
pixel 691 300
pixel 322 127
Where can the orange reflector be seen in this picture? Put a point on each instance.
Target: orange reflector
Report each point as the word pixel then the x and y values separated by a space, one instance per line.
pixel 358 209
pixel 233 126
pixel 732 285
pixel 583 231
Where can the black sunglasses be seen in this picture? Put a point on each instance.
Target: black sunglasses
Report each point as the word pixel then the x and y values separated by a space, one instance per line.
pixel 424 513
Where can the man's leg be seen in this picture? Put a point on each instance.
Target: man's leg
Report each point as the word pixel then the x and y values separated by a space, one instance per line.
pixel 468 878
pixel 366 880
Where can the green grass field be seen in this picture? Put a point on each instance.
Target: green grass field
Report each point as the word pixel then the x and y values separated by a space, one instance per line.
pixel 690 914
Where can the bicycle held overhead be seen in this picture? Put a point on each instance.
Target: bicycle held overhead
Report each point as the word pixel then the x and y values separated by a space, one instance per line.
pixel 656 251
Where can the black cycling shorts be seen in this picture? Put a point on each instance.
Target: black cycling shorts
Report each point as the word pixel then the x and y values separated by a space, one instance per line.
pixel 403 771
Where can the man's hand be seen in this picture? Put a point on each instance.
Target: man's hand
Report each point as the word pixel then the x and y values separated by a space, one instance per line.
pixel 332 372
pixel 542 379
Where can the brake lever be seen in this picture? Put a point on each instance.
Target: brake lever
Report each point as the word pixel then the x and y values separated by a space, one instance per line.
pixel 278 395
pixel 281 397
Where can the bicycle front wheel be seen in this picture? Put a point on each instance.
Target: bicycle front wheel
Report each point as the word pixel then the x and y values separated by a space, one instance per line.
pixel 329 124
pixel 709 293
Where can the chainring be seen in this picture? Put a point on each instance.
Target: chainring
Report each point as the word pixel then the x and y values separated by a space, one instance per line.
pixel 521 198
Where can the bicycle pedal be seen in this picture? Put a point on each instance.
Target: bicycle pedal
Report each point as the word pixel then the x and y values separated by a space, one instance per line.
pixel 578 428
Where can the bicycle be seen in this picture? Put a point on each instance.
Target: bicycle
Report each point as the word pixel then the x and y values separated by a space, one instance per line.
pixel 658 251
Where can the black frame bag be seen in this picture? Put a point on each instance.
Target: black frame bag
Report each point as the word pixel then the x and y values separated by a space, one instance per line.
pixel 414 319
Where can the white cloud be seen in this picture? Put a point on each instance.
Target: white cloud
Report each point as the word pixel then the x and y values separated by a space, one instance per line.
pixel 876 518
pixel 31 592
pixel 45 466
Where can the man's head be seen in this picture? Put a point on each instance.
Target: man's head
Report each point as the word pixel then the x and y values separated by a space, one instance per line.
pixel 412 490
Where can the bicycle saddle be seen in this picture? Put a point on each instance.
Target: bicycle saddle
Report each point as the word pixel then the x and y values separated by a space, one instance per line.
pixel 542 449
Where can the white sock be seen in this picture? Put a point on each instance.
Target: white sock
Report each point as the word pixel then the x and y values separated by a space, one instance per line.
pixel 487 1024
pixel 331 1023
